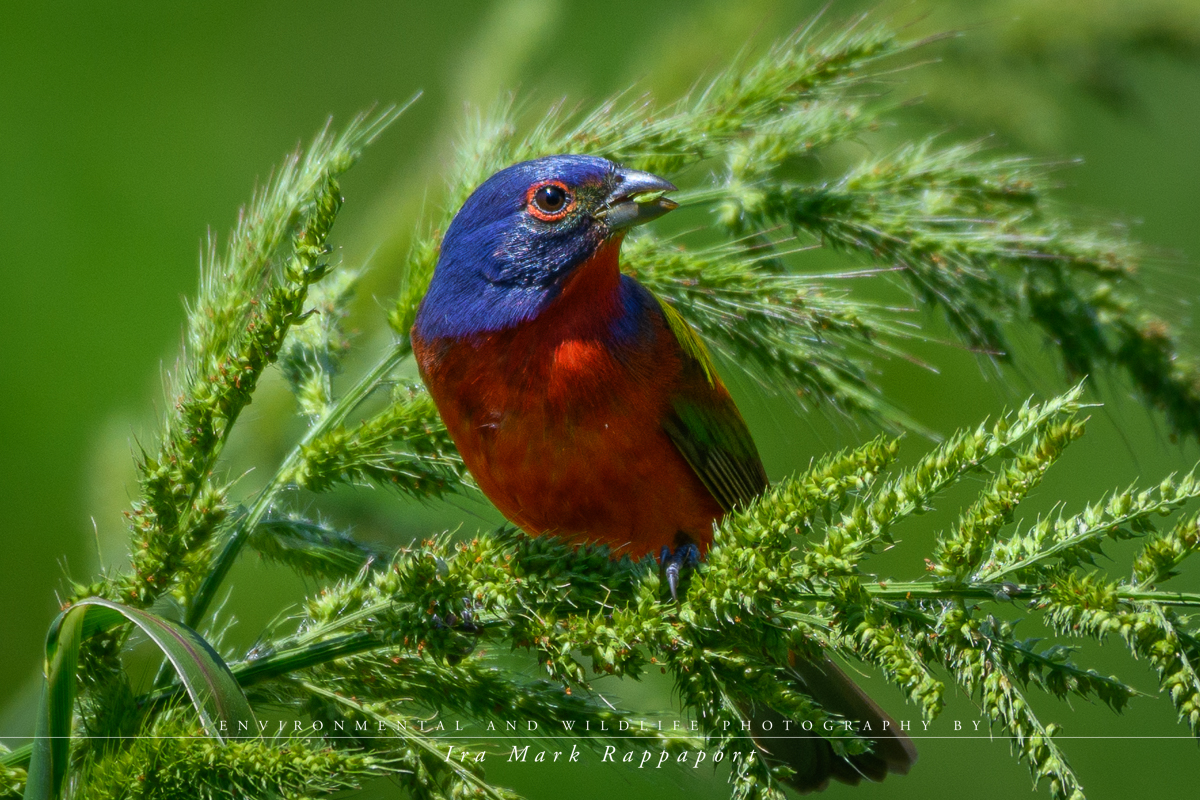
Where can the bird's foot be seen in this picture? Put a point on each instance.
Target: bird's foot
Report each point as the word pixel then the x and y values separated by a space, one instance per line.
pixel 684 556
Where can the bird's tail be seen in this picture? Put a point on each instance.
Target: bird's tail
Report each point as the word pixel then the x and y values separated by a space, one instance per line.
pixel 812 757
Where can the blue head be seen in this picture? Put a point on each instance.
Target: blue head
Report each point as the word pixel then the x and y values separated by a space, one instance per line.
pixel 520 235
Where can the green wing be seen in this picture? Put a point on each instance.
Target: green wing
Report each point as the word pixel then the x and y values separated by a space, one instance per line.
pixel 706 426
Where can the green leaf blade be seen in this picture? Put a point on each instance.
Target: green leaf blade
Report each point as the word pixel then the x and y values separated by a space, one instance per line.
pixel 213 690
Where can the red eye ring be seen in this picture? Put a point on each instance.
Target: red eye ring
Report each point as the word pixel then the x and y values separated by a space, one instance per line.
pixel 549 201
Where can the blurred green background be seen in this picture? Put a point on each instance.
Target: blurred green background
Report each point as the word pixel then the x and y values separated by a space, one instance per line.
pixel 126 130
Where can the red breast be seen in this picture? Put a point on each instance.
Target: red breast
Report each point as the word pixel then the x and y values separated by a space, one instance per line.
pixel 562 426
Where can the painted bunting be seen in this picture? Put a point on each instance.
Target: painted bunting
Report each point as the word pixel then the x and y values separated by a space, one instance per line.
pixel 588 409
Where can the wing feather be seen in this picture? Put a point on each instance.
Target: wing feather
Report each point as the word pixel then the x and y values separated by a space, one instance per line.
pixel 706 426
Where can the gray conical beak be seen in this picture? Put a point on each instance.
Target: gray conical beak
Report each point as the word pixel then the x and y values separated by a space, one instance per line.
pixel 636 198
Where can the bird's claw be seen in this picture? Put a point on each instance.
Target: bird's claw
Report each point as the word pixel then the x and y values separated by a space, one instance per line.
pixel 674 561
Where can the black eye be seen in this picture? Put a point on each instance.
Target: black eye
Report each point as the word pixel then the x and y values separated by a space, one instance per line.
pixel 551 199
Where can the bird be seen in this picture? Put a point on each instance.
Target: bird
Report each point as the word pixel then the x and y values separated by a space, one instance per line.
pixel 588 409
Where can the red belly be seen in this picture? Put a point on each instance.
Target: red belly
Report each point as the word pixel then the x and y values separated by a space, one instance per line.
pixel 566 438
